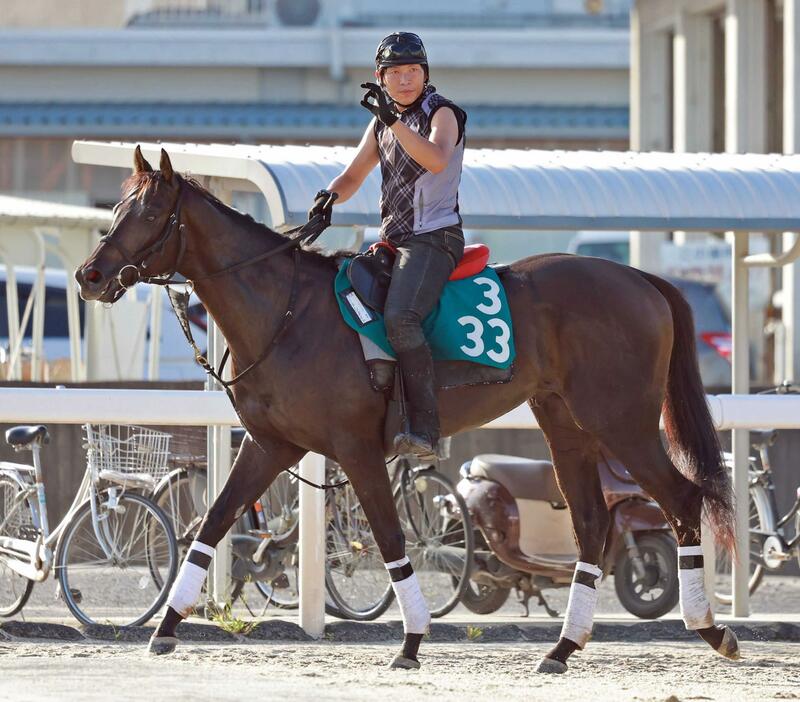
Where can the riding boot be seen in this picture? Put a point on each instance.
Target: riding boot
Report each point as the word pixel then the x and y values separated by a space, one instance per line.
pixel 420 435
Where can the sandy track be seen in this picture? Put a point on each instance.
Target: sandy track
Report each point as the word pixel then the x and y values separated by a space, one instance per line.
pixel 325 671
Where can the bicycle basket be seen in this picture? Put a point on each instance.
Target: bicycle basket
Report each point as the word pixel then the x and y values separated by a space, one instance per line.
pixel 127 449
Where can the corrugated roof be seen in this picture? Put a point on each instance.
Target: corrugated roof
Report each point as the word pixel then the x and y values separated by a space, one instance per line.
pixel 262 120
pixel 521 189
pixel 41 212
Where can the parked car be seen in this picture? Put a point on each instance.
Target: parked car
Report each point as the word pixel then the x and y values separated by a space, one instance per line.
pixel 176 360
pixel 614 246
pixel 712 327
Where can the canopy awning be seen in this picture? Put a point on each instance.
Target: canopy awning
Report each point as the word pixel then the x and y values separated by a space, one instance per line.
pixel 34 213
pixel 519 189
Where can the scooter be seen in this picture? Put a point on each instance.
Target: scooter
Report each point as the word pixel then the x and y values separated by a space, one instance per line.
pixel 524 538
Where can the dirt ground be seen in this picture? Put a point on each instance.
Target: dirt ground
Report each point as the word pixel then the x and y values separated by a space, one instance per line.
pixel 325 671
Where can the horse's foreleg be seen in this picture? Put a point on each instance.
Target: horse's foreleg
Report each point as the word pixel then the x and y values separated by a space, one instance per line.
pixel 575 458
pixel 370 481
pixel 252 472
pixel 681 501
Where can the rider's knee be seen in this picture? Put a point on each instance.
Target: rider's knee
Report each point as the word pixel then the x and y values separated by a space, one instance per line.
pixel 403 329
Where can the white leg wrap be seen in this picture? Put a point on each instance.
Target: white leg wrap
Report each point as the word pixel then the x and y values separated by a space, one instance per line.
pixel 416 616
pixel 187 586
pixel 695 608
pixel 582 601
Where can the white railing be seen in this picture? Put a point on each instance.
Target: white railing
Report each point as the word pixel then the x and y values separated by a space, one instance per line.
pixel 198 407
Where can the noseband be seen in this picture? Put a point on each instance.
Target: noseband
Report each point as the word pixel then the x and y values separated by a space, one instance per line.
pixel 304 234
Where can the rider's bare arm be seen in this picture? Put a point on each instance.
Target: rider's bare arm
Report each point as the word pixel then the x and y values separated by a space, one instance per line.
pixel 366 158
pixel 433 153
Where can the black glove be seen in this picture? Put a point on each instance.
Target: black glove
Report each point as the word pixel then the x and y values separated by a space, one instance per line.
pixel 378 104
pixel 323 205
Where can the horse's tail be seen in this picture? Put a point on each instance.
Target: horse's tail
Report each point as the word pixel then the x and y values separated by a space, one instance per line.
pixel 693 442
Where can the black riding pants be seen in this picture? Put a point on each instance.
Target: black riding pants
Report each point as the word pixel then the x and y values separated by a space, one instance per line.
pixel 424 263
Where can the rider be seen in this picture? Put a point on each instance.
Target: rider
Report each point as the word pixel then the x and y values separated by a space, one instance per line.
pixel 417 136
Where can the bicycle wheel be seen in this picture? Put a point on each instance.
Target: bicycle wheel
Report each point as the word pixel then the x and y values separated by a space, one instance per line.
pixel 279 506
pixel 16 522
pixel 760 522
pixel 130 583
pixel 439 536
pixel 276 513
pixel 182 497
pixel 355 577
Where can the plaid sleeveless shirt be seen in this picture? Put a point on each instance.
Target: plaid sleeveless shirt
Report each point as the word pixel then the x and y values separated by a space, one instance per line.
pixel 414 200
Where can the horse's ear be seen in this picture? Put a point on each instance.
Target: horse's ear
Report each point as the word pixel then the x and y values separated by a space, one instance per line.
pixel 140 164
pixel 166 166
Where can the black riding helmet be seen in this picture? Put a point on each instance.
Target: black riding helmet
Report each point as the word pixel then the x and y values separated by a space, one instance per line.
pixel 401 49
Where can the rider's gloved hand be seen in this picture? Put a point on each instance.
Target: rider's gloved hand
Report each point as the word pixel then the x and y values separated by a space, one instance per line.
pixel 376 101
pixel 323 205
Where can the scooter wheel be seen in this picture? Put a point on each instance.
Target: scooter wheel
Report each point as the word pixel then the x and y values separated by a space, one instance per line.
pixel 484 599
pixel 656 593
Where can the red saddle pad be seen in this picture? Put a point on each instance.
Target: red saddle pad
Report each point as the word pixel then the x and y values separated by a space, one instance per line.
pixel 474 260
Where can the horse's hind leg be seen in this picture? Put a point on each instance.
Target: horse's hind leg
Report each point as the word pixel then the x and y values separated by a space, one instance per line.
pixel 252 472
pixel 681 500
pixel 575 458
pixel 365 468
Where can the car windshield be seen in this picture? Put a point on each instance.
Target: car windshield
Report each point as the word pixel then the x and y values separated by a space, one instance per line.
pixel 709 314
pixel 618 251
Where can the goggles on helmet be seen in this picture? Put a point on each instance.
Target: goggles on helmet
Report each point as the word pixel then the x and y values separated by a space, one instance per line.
pixel 401 48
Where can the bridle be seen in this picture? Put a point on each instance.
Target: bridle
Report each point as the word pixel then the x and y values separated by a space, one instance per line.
pixel 305 234
pixel 156 248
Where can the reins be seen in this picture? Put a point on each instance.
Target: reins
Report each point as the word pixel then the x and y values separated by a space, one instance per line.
pixel 306 233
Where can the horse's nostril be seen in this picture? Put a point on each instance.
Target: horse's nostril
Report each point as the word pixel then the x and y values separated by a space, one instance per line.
pixel 93 275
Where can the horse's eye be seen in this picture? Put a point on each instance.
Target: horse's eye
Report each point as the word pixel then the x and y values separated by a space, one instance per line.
pixel 151 218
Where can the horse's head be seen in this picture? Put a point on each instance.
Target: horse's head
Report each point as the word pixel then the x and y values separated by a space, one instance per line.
pixel 144 239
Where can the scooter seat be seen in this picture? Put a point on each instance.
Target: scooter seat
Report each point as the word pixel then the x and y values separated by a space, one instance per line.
pixel 523 478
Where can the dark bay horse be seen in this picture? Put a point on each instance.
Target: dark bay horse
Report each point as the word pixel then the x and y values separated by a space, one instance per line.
pixel 602 349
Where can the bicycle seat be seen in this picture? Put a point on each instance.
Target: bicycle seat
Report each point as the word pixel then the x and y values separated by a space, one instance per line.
pixel 23 436
pixel 523 478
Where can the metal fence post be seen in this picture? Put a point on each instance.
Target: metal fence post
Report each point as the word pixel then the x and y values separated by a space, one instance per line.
pixel 312 546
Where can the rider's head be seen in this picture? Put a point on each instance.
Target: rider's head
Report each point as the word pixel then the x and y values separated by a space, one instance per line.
pixel 401 67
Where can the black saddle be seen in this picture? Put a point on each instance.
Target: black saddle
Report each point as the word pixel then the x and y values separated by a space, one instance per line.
pixel 21 437
pixel 370 274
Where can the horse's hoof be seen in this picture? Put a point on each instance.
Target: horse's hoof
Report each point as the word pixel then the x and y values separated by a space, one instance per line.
pixel 400 662
pixel 730 645
pixel 161 645
pixel 551 665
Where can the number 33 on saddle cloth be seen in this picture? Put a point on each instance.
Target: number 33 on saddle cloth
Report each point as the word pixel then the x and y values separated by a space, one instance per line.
pixel 471 322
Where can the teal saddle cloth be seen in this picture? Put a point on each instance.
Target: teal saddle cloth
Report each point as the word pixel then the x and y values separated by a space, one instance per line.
pixel 472 321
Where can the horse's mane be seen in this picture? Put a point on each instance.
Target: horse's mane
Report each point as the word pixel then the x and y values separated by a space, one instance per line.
pixel 140 183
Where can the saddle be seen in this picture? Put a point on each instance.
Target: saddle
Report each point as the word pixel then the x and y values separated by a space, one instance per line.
pixel 370 273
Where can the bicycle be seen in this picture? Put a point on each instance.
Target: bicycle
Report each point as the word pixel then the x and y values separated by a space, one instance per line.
pixel 113 540
pixel 264 542
pixel 439 544
pixel 770 547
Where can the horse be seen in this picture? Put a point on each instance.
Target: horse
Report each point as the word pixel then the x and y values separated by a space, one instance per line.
pixel 602 349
